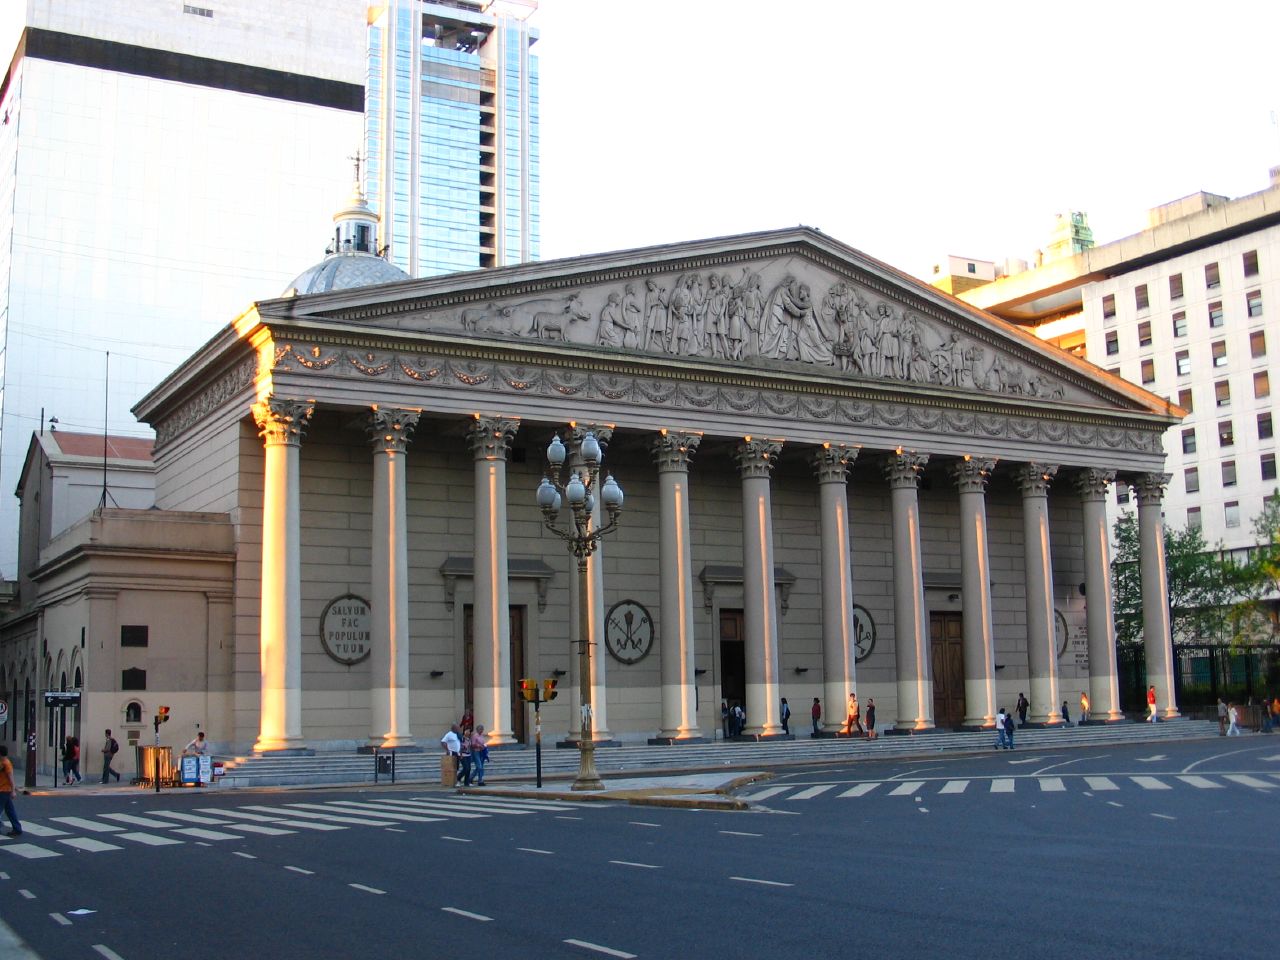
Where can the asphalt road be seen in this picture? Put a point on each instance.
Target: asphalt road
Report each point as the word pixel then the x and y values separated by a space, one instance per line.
pixel 1167 850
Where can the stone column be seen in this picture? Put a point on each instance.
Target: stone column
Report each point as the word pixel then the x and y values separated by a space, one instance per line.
pixel 1042 647
pixel 831 463
pixel 490 440
pixel 971 476
pixel 1156 635
pixel 910 630
pixel 756 458
pixel 1104 682
pixel 672 452
pixel 281 424
pixel 595 629
pixel 389 432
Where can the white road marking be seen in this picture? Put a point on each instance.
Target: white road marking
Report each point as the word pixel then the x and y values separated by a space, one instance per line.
pixel 631 863
pixel 28 851
pixel 1014 763
pixel 150 839
pixel 740 833
pixel 336 818
pixel 247 856
pixel 954 786
pixel 60 919
pixel 915 770
pixel 1002 785
pixel 1150 783
pixel 279 821
pixel 107 952
pixel 201 843
pixel 1218 756
pixel 260 829
pixel 1274 756
pixel 202 834
pixel 1114 804
pixel 1101 783
pixel 1164 816
pixel 379 811
pixel 3 875
pixel 765 794
pixel 812 792
pixel 859 790
pixel 642 823
pixel 496 806
pixel 608 951
pixel 137 821
pixel 1248 781
pixel 467 913
pixel 1158 756
pixel 89 845
pixel 456 839
pixel 395 830
pixel 1066 763
pixel 1051 785
pixel 28 894
pixel 37 830
pixel 545 853
pixel 361 886
pixel 906 789
pixel 1204 783
pixel 1275 775
pixel 922 809
pixel 568 818
pixel 191 818
pixel 91 825
pixel 767 883
pixel 309 873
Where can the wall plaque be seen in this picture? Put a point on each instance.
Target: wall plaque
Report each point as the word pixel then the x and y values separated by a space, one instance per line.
pixel 628 632
pixel 864 633
pixel 344 629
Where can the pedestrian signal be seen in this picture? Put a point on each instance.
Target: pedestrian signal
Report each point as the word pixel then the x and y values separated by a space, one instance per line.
pixel 549 688
pixel 162 714
pixel 529 690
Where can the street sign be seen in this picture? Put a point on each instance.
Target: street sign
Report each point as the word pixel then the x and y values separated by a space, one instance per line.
pixel 62 698
pixel 4 712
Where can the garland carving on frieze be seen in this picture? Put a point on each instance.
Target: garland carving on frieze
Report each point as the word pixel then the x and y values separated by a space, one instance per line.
pixel 219 391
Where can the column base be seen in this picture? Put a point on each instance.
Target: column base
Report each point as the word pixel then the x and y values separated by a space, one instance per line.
pixel 901 731
pixel 977 726
pixel 661 741
pixel 567 744
pixel 283 751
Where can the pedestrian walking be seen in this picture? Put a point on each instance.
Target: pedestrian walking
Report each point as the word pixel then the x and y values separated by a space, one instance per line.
pixel 1000 735
pixel 724 717
pixel 1233 716
pixel 451 743
pixel 739 719
pixel 1084 708
pixel 1008 731
pixel 464 755
pixel 855 715
pixel 70 761
pixel 816 713
pixel 786 717
pixel 1222 717
pixel 871 718
pixel 109 750
pixel 479 754
pixel 1151 704
pixel 1066 714
pixel 1023 706
pixel 8 791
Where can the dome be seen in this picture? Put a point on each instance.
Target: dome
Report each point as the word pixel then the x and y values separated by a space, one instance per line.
pixel 342 271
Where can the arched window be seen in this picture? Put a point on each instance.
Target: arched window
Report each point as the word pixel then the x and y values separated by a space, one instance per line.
pixel 79 680
pixel 133 712
pixel 64 681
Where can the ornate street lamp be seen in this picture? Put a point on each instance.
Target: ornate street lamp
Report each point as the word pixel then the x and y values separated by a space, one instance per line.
pixel 553 494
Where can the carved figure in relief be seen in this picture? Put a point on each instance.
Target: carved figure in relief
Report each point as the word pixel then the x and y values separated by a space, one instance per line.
pixel 631 315
pixel 865 358
pixel 680 318
pixel 888 341
pixel 717 316
pixel 655 315
pixel 790 328
pixel 472 317
pixel 698 315
pixel 919 366
pixel 972 360
pixel 736 321
pixel 753 311
pixel 614 331
pixel 838 312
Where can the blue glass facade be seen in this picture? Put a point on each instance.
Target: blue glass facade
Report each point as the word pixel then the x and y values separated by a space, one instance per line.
pixel 452 137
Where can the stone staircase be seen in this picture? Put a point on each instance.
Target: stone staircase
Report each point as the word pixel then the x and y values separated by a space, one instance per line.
pixel 328 769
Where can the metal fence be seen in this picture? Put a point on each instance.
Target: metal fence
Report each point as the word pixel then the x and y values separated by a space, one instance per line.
pixel 1205 672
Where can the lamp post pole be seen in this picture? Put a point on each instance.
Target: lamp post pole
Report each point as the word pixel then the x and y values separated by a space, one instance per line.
pixel 582 541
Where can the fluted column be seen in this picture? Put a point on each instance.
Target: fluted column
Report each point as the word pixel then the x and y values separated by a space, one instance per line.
pixel 1042 648
pixel 1156 635
pixel 910 630
pixel 1104 681
pixel 672 452
pixel 595 566
pixel 389 432
pixel 971 476
pixel 490 440
pixel 756 458
pixel 281 424
pixel 831 463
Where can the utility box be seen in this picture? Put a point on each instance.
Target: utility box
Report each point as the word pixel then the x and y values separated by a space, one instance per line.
pixel 448 770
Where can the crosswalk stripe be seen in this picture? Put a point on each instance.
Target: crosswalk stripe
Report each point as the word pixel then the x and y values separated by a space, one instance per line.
pixel 496 806
pixel 240 815
pixel 91 825
pixel 1150 783
pixel 858 790
pixel 1247 780
pixel 494 798
pixel 150 839
pixel 136 821
pixel 191 818
pixel 766 794
pixel 483 809
pixel 260 829
pixel 954 786
pixel 353 806
pixel 28 851
pixel 1051 785
pixel 906 789
pixel 1101 783
pixel 812 792
pixel 336 818
pixel 1002 785
pixel 36 830
pixel 88 844
pixel 439 811
pixel 1274 776
pixel 200 833
pixel 1204 783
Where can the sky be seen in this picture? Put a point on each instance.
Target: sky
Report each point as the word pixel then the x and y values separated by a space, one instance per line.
pixel 909 130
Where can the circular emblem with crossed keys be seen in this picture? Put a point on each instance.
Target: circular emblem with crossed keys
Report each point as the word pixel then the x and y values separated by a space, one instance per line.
pixel 628 632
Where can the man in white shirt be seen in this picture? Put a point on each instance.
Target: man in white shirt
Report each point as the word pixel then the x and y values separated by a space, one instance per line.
pixel 451 743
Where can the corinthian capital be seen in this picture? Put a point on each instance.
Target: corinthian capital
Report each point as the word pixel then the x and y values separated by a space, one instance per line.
pixel 831 462
pixel 1092 483
pixel 1034 478
pixel 972 473
pixel 390 428
pixel 672 450
pixel 902 468
pixel 490 437
pixel 1150 488
pixel 577 432
pixel 756 456
pixel 282 421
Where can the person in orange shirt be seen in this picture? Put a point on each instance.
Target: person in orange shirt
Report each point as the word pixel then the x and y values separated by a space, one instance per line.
pixel 8 791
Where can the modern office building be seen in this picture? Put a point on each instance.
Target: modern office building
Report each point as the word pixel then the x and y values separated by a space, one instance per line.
pixel 161 164
pixel 452 133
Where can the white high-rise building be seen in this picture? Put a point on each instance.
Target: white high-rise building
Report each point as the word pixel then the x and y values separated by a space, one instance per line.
pixel 161 165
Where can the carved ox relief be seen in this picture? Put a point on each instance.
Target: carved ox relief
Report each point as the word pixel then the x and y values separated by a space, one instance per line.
pixel 788 310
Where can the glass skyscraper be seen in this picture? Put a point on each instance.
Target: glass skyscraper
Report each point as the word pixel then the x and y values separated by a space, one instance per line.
pixel 452 133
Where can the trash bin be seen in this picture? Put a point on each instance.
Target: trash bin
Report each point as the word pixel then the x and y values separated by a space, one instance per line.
pixel 448 770
pixel 384 763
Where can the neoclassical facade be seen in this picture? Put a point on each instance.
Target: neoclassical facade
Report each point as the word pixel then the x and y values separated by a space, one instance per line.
pixel 837 479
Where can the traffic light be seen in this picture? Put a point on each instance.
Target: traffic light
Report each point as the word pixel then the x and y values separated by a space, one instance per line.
pixel 549 689
pixel 529 690
pixel 162 714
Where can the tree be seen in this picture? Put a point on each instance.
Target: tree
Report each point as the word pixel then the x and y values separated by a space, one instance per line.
pixel 1254 616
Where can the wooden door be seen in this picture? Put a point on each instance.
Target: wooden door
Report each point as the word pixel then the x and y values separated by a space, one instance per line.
pixel 946 641
pixel 733 658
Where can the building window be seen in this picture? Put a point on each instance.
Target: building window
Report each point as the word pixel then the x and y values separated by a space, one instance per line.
pixel 1222 393
pixel 1215 315
pixel 1189 440
pixel 1113 343
pixel 1219 350
pixel 1226 435
pixel 1228 473
pixel 1211 278
pixel 1148 371
pixel 1264 426
pixel 133 712
pixel 1108 306
pixel 1175 287
pixel 133 636
pixel 1193 518
pixel 1144 333
pixel 1253 303
pixel 1261 385
pixel 1251 263
pixel 1268 464
pixel 1183 361
pixel 1122 493
pixel 972 267
pixel 1257 344
pixel 1231 513
pixel 1140 298
pixel 133 679
pixel 1191 479
pixel 1186 400
pixel 1180 323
